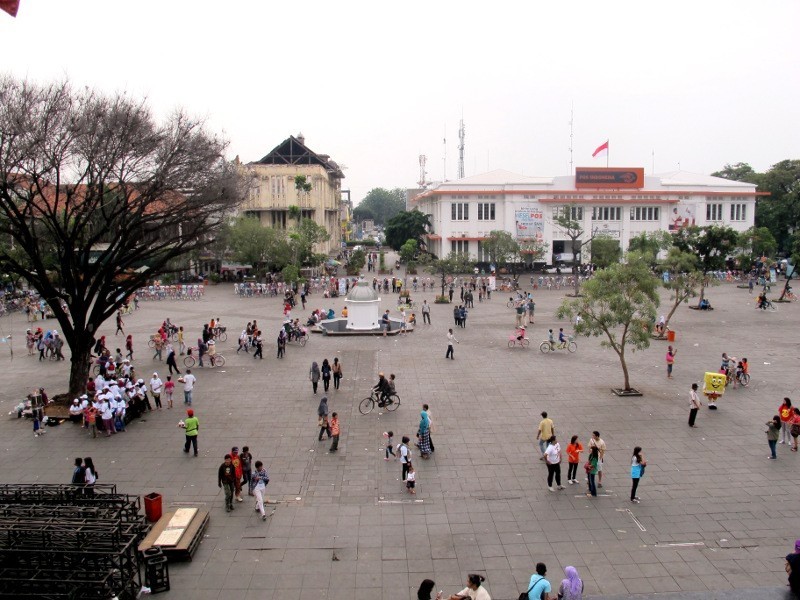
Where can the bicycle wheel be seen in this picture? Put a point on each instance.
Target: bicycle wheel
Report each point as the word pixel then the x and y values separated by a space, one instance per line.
pixel 572 346
pixel 189 362
pixel 512 343
pixel 96 370
pixel 223 337
pixel 395 402
pixel 545 347
pixel 151 343
pixel 366 405
pixel 174 337
pixel 772 306
pixel 219 360
pixel 302 340
pixel 509 304
pixel 525 343
pixel 744 379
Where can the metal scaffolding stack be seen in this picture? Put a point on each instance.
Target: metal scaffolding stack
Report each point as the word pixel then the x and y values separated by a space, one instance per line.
pixel 60 541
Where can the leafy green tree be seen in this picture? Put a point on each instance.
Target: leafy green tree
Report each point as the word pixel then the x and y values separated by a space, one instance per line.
pixel 252 243
pixel 712 245
pixel 404 226
pixel 618 303
pixel 739 172
pixel 532 251
pixel 381 205
pixel 684 278
pixel 99 187
pixel 650 245
pixel 291 274
pixel 780 211
pixel 605 251
pixel 356 262
pixel 755 243
pixel 303 239
pixel 504 252
pixel 574 230
pixel 408 251
pixel 302 186
pixel 453 264
pixel 794 260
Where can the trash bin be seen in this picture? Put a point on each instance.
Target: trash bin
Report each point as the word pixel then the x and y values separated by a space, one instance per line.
pixel 156 570
pixel 670 336
pixel 152 507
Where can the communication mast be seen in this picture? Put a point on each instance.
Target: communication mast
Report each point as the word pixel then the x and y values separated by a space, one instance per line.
pixel 461 150
pixel 422 173
pixel 571 119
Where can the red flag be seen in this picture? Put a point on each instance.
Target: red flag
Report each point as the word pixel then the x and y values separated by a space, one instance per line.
pixel 10 6
pixel 600 148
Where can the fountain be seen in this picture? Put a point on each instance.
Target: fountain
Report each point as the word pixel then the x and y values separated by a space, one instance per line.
pixel 363 315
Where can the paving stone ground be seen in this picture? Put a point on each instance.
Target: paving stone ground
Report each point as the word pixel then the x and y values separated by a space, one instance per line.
pixel 716 516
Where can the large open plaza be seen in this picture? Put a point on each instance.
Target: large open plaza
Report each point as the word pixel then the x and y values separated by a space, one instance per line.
pixel 715 514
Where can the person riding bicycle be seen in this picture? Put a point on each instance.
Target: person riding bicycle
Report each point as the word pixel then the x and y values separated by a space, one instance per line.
pixel 383 389
pixel 519 332
pixel 212 351
pixel 761 301
pixel 551 339
pixel 562 340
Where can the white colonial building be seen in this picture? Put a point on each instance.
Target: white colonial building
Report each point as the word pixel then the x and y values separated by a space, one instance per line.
pixel 616 202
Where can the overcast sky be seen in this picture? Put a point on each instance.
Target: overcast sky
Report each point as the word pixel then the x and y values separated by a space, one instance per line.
pixel 375 84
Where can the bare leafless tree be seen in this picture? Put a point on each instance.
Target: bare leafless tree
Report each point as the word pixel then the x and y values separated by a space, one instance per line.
pixel 92 189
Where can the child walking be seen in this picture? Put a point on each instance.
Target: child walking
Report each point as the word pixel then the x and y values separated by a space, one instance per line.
pixel 411 479
pixel 389 444
pixel 670 360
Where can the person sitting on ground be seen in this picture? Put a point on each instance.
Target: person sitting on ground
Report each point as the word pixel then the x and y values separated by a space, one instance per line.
pixel 412 320
pixel 704 304
pixel 661 325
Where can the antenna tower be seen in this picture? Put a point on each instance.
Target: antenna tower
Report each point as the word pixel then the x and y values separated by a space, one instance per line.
pixel 571 115
pixel 422 160
pixel 461 149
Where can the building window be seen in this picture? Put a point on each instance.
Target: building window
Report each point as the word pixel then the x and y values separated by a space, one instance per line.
pixel 461 246
pixel 459 211
pixel 485 211
pixel 738 212
pixel 607 213
pixel 645 213
pixel 574 213
pixel 713 212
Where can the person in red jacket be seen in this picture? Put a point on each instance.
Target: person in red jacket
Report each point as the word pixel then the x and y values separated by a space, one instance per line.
pixel 786 412
pixel 236 461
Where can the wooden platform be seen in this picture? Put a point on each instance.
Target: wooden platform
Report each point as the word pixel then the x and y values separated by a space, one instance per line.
pixel 177 543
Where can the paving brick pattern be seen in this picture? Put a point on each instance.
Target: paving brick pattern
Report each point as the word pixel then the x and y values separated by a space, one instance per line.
pixel 716 516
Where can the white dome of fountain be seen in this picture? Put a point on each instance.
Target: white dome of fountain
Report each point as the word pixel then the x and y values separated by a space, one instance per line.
pixel 363 307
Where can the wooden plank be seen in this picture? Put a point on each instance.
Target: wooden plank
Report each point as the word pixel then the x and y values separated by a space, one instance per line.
pixel 188 542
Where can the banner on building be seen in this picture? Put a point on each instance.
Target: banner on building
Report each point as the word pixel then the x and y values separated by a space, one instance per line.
pixel 681 217
pixel 529 223
pixel 609 178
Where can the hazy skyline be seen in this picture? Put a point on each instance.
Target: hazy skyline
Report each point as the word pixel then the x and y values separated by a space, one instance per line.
pixel 375 85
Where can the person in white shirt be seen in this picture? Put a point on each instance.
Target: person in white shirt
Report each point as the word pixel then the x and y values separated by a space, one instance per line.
pixel 553 456
pixel 474 590
pixel 119 406
pixel 450 339
pixel 188 382
pixel 694 405
pixel 76 411
pixel 155 388
pixel 108 417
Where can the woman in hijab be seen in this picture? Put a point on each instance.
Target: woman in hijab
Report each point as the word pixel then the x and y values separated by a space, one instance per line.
pixel 322 414
pixel 572 587
pixel 314 375
pixel 326 375
pixel 424 435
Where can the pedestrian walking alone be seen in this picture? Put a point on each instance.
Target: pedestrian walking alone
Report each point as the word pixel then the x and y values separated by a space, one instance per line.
pixel 322 418
pixel 191 428
pixel 335 432
pixel 553 455
pixel 638 463
pixel 670 360
pixel 426 312
pixel 591 471
pixel 337 373
pixel 120 324
pixel 546 430
pixel 450 339
pixel 281 343
pixel 773 433
pixel 260 481
pixel 171 363
pixel 314 375
pixel 694 405
pixel 795 429
pixel 424 434
pixel 129 347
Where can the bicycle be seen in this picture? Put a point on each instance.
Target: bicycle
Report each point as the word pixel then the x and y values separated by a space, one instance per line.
pixel 220 333
pixel 569 345
pixel 767 305
pixel 523 342
pixel 301 337
pixel 368 404
pixel 215 360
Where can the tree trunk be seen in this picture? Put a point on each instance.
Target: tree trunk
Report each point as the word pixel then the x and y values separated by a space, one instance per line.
pixel 79 369
pixel 624 370
pixel 672 311
pixel 785 288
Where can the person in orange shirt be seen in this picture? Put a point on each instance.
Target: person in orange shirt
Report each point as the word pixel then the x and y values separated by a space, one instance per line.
pixel 334 432
pixel 786 413
pixel 574 450
pixel 238 468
